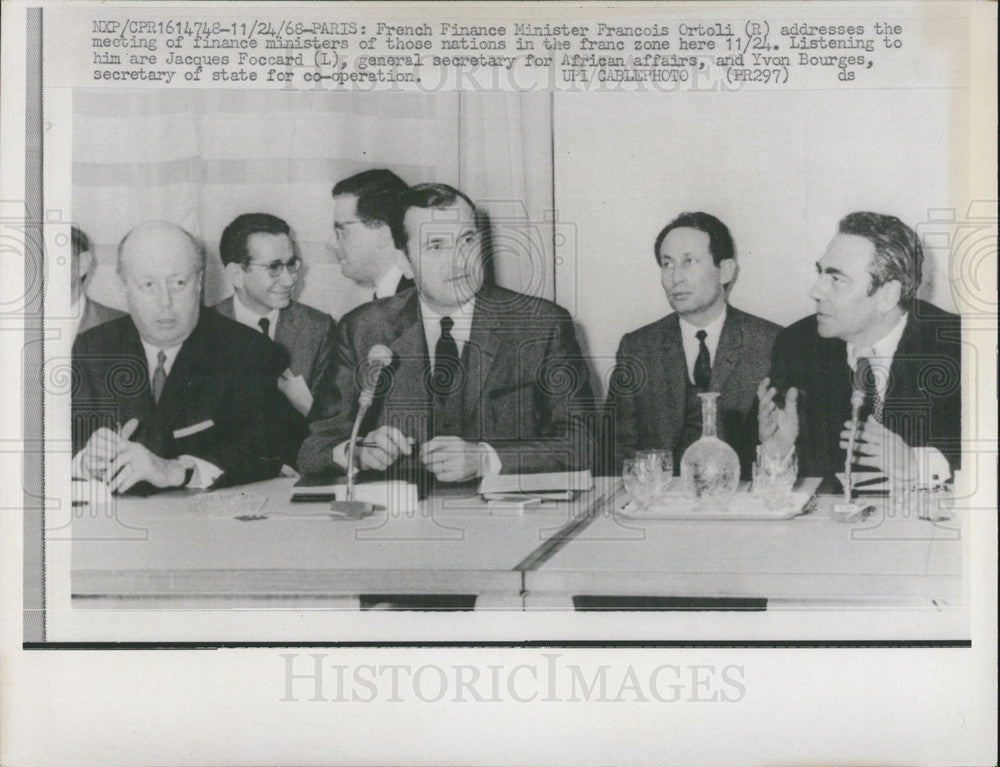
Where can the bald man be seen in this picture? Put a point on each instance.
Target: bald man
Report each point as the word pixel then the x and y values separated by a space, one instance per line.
pixel 171 396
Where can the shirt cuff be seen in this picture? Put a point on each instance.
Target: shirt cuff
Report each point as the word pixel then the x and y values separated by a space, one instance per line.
pixel 340 454
pixel 932 467
pixel 491 464
pixel 76 468
pixel 205 473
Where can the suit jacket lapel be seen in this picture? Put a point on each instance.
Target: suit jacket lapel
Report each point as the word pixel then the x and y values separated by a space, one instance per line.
pixel 139 405
pixel 480 353
pixel 670 365
pixel 902 381
pixel 727 353
pixel 409 347
pixel 286 335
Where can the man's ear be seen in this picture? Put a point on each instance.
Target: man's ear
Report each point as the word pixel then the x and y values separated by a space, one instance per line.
pixel 403 262
pixel 83 264
pixel 727 267
pixel 888 295
pixel 236 274
pixel 383 238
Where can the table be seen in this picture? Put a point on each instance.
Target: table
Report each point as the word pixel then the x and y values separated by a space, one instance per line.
pixel 161 551
pixel 892 558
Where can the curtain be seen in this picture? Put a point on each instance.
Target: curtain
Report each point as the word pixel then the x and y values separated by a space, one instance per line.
pixel 200 158
pixel 506 166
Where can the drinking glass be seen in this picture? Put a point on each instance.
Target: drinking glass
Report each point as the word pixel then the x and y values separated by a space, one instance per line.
pixel 661 463
pixel 641 481
pixel 774 477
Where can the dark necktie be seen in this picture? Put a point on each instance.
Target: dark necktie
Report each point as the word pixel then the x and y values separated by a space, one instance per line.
pixel 447 375
pixel 702 364
pixel 265 326
pixel 159 375
pixel 864 381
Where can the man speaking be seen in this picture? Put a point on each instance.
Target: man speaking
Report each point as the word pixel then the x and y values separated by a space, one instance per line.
pixel 870 340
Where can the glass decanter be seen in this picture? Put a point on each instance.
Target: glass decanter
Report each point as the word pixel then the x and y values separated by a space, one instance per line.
pixel 710 469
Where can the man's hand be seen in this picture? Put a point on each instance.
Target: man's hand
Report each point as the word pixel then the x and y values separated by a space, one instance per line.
pixel 134 463
pixel 99 451
pixel 777 427
pixel 452 459
pixel 381 448
pixel 878 448
pixel 296 391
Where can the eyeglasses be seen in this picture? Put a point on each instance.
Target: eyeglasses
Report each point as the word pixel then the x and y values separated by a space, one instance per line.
pixel 274 268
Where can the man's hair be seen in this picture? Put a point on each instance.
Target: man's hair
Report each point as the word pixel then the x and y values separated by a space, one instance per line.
pixel 437 196
pixel 194 244
pixel 720 241
pixel 79 242
pixel 898 253
pixel 233 245
pixel 376 191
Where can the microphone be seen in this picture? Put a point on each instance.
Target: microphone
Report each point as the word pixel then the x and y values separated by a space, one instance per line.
pixel 379 358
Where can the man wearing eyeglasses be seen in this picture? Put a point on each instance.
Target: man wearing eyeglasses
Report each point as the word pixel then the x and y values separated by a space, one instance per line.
pixel 363 244
pixel 482 380
pixel 262 264
pixel 171 396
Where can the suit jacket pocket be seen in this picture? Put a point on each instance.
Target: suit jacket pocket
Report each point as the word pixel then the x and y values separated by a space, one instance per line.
pixel 512 413
pixel 196 428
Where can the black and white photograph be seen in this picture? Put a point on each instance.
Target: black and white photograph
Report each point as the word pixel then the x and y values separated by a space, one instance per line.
pixel 372 362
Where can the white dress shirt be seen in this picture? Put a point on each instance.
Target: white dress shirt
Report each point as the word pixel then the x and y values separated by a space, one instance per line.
pixel 879 355
pixel 713 331
pixel 76 312
pixel 252 319
pixel 387 285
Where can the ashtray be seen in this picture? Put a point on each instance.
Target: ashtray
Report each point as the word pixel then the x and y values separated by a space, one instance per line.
pixel 229 503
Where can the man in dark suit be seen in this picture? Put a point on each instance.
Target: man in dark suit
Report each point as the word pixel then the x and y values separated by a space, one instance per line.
pixel 870 334
pixel 169 395
pixel 363 243
pixel 261 262
pixel 86 311
pixel 482 380
pixel 704 345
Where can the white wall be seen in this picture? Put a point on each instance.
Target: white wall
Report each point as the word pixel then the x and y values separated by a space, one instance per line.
pixel 780 169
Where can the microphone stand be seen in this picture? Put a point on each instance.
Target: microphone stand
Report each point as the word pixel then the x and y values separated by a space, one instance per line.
pixel 364 404
pixel 380 357
pixel 849 510
pixel 857 400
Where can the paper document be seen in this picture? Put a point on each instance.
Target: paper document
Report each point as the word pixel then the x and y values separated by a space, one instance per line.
pixel 556 486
